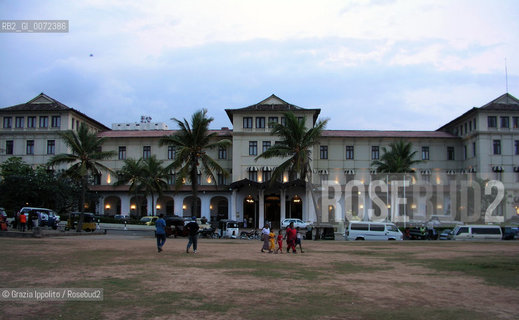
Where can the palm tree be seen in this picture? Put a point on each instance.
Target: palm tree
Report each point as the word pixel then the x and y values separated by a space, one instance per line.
pixel 296 144
pixel 398 159
pixel 84 159
pixel 191 142
pixel 145 175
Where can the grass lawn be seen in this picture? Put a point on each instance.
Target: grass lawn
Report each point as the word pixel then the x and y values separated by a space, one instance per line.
pixel 232 279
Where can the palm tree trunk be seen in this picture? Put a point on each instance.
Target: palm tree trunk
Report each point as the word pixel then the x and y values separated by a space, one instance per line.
pixel 194 189
pixel 84 186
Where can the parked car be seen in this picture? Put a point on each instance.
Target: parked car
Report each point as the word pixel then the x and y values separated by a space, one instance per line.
pixel 121 217
pixel 446 234
pixel 365 230
pixel 43 215
pixel 149 220
pixel 477 232
pixel 297 223
pixel 510 233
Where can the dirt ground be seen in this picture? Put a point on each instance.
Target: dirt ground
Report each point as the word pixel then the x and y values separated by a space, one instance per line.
pixel 233 279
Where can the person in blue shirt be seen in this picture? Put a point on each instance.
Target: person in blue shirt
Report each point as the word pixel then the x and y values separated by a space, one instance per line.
pixel 160 232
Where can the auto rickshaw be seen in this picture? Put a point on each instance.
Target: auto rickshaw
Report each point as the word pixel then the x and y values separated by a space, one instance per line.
pixel 228 229
pixel 175 227
pixel 89 223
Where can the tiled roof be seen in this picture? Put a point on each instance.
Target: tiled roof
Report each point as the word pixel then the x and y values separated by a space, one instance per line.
pixel 387 134
pixel 272 103
pixel 43 102
pixel 152 133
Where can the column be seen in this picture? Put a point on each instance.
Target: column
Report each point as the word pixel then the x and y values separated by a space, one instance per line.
pixel 261 208
pixel 205 202
pixel 125 204
pixel 232 208
pixel 282 205
pixel 178 202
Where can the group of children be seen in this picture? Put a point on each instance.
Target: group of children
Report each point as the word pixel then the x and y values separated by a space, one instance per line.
pixel 279 239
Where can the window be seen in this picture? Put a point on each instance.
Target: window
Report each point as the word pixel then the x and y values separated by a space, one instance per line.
pixel 8 122
pixel 496 146
pixel 470 126
pixel 462 230
pixel 473 149
pixel 301 119
pixel 44 122
pixel 492 121
pixel 247 122
pixel 222 153
pixel 377 227
pixel 283 121
pixel 146 152
pixel 323 152
pixel 221 179
pixel 253 148
pixel 171 177
pixel 9 147
pixel 19 122
pixel 349 152
pixel 72 123
pixel 31 122
pixel 266 145
pixel 56 121
pixel 97 179
pixel 450 153
pixel 474 121
pixel 77 124
pixel 30 147
pixel 172 152
pixel 505 122
pixel 515 122
pixel 51 147
pixel 425 153
pixel 273 121
pixel 122 153
pixel 253 175
pixel 359 226
pixel 375 153
pixel 260 122
pixel 464 152
pixel 516 147
pixel 267 175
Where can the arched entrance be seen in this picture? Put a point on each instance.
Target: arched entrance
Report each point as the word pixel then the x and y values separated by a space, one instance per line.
pixel 165 205
pixel 295 208
pixel 112 206
pixel 273 210
pixel 187 210
pixel 250 211
pixel 138 206
pixel 219 208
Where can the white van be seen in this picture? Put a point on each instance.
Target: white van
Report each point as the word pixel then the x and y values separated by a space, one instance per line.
pixel 365 230
pixel 477 232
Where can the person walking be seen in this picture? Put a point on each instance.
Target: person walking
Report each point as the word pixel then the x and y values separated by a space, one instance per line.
pixel 299 239
pixel 192 227
pixel 160 232
pixel 265 237
pixel 23 221
pixel 272 241
pixel 291 237
pixel 280 241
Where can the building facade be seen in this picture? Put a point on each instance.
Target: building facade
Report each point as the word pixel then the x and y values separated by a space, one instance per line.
pixel 480 145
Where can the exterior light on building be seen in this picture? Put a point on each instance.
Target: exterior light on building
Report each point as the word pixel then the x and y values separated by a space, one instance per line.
pixel 413 206
pixel 249 199
pixel 517 210
pixel 297 199
pixel 389 206
pixel 183 180
pixel 108 179
pixel 107 206
pixel 210 207
pixel 157 206
pixel 285 179
pixel 209 180
pixel 330 208
pixel 133 207
pixel 361 206
pixel 439 206
pixel 85 205
pixel 184 207
pixel 438 180
pixel 361 181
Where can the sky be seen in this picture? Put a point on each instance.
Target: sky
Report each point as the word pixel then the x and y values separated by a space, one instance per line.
pixel 369 65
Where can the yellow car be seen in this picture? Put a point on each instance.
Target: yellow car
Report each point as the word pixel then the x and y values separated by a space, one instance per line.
pixel 149 220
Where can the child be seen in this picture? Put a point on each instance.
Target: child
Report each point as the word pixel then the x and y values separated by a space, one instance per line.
pixel 280 241
pixel 298 239
pixel 272 239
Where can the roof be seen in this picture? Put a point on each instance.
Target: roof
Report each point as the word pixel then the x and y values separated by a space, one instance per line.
pixel 153 133
pixel 387 134
pixel 505 102
pixel 272 103
pixel 43 102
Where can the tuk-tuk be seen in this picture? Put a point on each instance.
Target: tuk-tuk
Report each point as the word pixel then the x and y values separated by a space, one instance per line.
pixel 175 227
pixel 89 223
pixel 228 229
